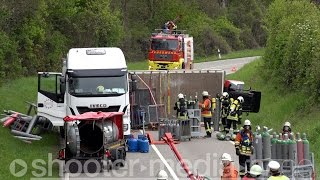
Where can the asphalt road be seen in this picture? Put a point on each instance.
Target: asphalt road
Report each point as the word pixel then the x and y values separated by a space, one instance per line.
pixel 202 155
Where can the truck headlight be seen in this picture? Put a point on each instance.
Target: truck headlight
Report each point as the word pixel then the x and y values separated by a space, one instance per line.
pixel 125 127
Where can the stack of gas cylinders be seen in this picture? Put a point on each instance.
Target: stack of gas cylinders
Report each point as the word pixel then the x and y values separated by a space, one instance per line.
pixel 138 145
pixel 170 125
pixel 282 147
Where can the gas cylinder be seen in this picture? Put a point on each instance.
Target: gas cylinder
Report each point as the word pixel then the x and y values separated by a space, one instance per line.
pixel 279 147
pixel 300 153
pixel 292 149
pixel 306 149
pixel 143 145
pixel 285 149
pixel 257 144
pixel 132 144
pixel 177 130
pixel 162 130
pixel 274 146
pixel 266 144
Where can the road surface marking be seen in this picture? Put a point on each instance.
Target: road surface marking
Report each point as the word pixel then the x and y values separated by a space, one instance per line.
pixel 173 174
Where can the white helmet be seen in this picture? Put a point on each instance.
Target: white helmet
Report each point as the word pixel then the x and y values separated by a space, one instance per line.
pixel 180 96
pixel 225 94
pixel 255 170
pixel 247 122
pixel 162 175
pixel 240 98
pixel 274 165
pixel 226 157
pixel 287 124
pixel 205 93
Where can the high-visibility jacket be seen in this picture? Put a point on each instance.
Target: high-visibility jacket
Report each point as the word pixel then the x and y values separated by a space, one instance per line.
pixel 244 141
pixel 229 173
pixel 205 108
pixel 235 111
pixel 282 177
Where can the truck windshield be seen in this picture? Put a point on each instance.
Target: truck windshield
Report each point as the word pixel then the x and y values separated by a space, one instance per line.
pixel 164 44
pixel 98 86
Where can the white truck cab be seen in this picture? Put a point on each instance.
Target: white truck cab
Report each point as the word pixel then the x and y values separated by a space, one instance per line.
pixel 92 79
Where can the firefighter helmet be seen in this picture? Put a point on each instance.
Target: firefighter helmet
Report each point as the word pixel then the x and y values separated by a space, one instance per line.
pixel 180 96
pixel 255 170
pixel 226 157
pixel 162 175
pixel 240 99
pixel 274 165
pixel 225 95
pixel 287 124
pixel 247 122
pixel 205 93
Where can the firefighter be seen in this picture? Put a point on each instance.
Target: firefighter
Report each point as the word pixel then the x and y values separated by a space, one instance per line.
pixel 229 170
pixel 235 113
pixel 169 26
pixel 286 129
pixel 205 107
pixel 243 145
pixel 162 175
pixel 275 173
pixel 225 105
pixel 254 174
pixel 181 107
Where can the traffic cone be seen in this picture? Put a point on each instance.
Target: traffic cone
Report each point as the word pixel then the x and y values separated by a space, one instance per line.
pixel 234 69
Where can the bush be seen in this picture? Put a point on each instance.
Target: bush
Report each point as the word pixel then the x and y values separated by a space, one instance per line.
pixel 292 53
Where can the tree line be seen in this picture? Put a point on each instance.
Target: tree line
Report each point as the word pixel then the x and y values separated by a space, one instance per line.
pixel 36 34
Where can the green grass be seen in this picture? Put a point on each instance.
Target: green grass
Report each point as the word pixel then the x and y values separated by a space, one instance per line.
pixel 13 96
pixel 279 105
pixel 143 65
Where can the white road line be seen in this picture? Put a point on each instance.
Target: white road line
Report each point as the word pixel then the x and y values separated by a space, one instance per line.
pixel 173 174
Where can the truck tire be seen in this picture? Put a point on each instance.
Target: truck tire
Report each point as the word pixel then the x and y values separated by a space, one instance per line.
pixel 191 66
pixel 61 132
pixel 183 66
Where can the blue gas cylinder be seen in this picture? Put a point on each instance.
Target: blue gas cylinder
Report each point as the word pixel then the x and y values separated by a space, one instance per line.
pixel 141 136
pixel 143 144
pixel 133 144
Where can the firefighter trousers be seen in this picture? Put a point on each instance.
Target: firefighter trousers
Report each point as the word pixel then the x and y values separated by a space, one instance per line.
pixel 207 125
pixel 243 160
pixel 224 123
pixel 232 123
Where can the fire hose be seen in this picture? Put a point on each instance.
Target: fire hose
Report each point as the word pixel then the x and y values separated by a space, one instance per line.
pixel 170 141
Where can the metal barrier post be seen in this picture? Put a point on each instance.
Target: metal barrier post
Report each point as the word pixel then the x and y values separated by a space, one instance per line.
pixel 143 121
pixel 217 113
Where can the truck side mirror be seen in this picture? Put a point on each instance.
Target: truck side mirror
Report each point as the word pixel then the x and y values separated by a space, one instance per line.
pixel 62 85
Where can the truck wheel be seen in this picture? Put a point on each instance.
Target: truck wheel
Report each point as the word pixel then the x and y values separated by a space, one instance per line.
pixel 183 66
pixel 61 132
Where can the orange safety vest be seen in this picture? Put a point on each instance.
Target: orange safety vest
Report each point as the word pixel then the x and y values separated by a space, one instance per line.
pixel 206 108
pixel 229 173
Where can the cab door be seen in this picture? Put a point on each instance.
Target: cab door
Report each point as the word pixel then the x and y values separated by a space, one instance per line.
pixel 50 99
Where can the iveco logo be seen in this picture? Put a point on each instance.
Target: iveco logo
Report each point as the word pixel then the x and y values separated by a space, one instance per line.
pixel 98 106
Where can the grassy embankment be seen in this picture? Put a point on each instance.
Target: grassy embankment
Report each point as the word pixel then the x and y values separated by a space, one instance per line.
pixel 280 105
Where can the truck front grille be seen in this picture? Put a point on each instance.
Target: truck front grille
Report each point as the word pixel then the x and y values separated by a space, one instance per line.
pixel 164 57
pixel 82 109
